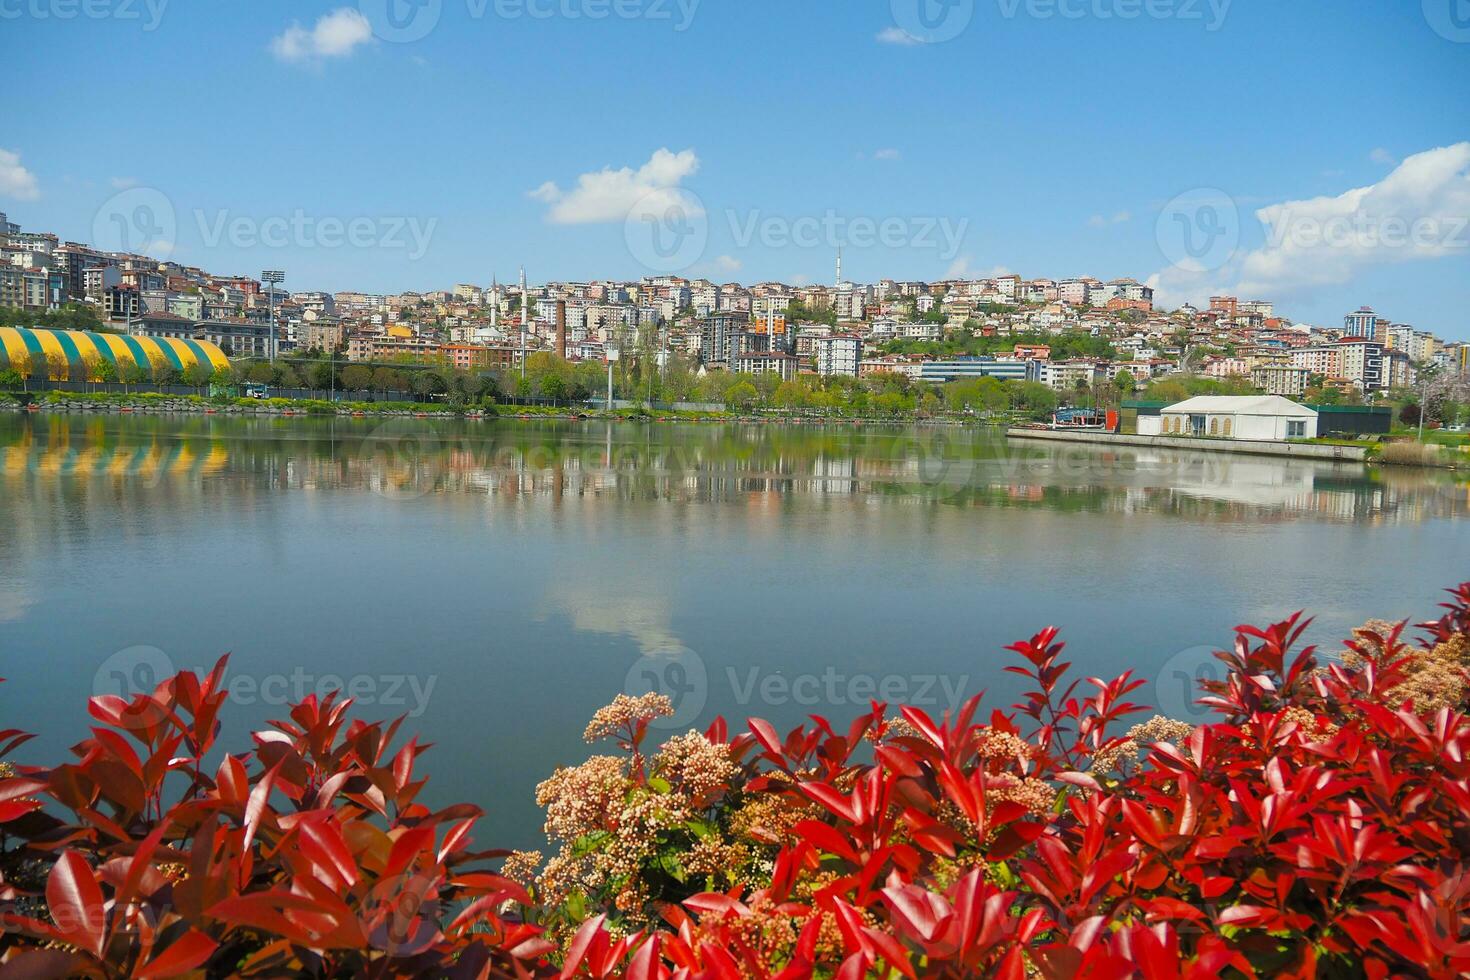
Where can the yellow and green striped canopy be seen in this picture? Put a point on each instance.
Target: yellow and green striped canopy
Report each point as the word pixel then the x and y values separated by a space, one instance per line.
pixel 42 353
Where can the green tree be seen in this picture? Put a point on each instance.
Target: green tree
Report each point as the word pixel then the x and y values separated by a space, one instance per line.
pixel 198 374
pixel 132 373
pixel 322 374
pixel 356 377
pixel 741 396
pixel 1034 397
pixel 1125 382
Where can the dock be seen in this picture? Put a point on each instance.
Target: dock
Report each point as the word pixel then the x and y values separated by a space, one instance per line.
pixel 1298 450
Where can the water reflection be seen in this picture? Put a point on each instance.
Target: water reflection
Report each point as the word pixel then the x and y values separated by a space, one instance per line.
pixel 759 466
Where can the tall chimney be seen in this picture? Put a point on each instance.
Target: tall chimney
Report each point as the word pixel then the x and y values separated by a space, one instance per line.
pixel 561 328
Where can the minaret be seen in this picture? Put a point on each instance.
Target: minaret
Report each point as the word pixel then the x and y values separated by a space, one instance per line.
pixel 494 301
pixel 839 266
pixel 525 312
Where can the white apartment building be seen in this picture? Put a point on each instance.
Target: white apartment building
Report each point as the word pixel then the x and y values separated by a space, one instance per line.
pixel 838 355
pixel 1280 379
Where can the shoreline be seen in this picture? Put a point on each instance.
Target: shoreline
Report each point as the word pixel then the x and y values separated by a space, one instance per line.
pixel 150 403
pixel 1327 452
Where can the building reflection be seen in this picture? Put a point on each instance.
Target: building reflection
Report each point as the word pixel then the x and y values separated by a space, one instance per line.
pixel 764 468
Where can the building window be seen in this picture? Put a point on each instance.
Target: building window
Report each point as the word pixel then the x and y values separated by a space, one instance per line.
pixel 1296 430
pixel 1227 426
pixel 1214 427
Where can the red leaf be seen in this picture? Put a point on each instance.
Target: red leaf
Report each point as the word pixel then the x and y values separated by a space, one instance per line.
pixel 181 956
pixel 76 903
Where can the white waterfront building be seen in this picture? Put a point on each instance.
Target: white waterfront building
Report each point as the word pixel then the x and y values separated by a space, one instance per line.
pixel 1247 417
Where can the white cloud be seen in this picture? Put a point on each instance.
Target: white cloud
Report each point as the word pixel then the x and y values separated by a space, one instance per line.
pixel 1099 221
pixel 1380 155
pixel 1419 211
pixel 960 269
pixel 887 153
pixel 728 263
pixel 16 181
pixel 546 193
pixel 609 195
pixel 123 183
pixel 897 35
pixel 335 35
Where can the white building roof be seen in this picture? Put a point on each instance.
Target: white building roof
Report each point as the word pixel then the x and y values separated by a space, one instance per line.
pixel 1242 405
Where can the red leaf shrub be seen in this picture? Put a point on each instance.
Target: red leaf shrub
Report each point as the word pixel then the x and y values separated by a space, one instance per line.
pixel 1318 825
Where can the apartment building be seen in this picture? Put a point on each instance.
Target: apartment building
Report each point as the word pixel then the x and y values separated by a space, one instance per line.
pixel 839 354
pixel 764 362
pixel 959 368
pixel 1069 375
pixel 1280 379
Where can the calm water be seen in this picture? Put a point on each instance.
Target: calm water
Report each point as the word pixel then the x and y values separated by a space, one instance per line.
pixel 501 580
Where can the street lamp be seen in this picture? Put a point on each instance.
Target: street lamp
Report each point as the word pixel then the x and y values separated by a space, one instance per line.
pixel 272 278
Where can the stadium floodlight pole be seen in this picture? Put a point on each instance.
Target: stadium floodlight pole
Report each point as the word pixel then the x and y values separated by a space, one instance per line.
pixel 612 353
pixel 272 278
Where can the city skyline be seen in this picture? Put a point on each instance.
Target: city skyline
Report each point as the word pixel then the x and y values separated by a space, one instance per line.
pixel 487 143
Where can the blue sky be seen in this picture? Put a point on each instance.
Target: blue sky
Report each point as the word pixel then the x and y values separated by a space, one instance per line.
pixel 1045 137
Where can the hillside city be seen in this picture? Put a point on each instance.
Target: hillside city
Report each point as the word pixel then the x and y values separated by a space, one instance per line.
pixel 1066 335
